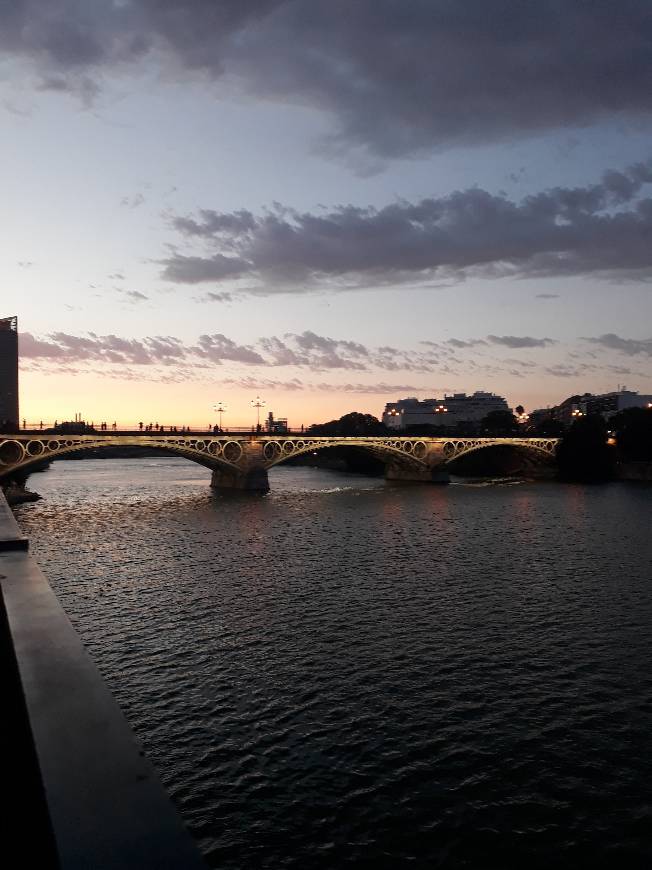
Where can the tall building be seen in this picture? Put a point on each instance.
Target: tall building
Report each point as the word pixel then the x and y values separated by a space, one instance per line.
pixel 449 411
pixel 9 418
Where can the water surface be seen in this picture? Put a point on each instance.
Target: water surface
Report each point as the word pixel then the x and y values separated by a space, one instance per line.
pixel 349 674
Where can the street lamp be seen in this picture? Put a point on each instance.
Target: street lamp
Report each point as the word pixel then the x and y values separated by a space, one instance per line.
pixel 219 409
pixel 257 403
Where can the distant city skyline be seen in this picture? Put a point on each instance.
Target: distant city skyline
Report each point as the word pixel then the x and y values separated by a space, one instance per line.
pixel 333 209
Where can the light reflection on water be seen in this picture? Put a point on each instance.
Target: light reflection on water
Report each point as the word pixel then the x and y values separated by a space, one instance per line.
pixel 343 673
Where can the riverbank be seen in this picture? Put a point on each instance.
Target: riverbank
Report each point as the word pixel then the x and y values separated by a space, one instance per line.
pixel 635 471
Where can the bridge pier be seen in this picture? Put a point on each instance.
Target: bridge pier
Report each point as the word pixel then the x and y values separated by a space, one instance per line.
pixel 412 474
pixel 253 479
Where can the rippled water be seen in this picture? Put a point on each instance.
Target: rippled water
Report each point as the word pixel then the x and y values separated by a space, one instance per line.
pixel 347 674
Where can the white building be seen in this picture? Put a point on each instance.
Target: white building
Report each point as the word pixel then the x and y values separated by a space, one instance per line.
pixel 609 404
pixel 449 411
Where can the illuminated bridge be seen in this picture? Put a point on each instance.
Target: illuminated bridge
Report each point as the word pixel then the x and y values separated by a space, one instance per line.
pixel 242 461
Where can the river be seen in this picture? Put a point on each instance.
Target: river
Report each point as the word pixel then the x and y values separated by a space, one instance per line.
pixel 345 673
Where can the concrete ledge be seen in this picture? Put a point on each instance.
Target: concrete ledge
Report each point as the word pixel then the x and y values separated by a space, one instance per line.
pixel 11 537
pixel 107 808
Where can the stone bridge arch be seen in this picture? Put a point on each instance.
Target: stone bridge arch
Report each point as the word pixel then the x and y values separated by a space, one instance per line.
pixel 23 453
pixel 542 449
pixel 411 452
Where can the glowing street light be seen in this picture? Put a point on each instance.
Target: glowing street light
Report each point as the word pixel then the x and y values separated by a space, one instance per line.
pixel 441 409
pixel 219 408
pixel 257 403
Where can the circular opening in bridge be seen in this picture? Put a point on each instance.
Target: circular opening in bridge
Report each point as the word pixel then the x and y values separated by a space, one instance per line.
pixel 271 450
pixel 200 445
pixel 288 446
pixel 300 445
pixel 396 445
pixel 215 448
pixel 449 448
pixel 419 450
pixel 232 451
pixel 70 443
pixel 53 445
pixel 11 452
pixel 408 446
pixel 35 448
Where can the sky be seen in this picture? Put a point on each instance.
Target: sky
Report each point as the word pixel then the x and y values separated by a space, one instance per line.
pixel 326 204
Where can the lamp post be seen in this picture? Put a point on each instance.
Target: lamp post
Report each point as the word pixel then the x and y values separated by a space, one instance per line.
pixel 219 408
pixel 257 403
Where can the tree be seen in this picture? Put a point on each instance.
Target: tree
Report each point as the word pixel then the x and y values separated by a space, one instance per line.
pixel 350 425
pixel 499 423
pixel 584 454
pixel 633 430
pixel 520 410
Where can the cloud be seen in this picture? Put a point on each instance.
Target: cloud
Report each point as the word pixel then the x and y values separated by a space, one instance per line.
pixel 381 388
pixel 565 371
pixel 460 343
pixel 195 270
pixel 215 297
pixel 602 229
pixel 376 388
pixel 134 296
pixel 62 347
pixel 306 350
pixel 218 348
pixel 628 346
pixel 132 202
pixel 81 86
pixel 395 78
pixel 547 296
pixel 520 341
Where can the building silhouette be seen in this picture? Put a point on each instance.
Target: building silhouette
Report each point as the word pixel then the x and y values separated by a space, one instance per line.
pixel 448 411
pixel 9 418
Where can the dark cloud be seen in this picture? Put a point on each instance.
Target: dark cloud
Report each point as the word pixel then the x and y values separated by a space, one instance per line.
pixel 520 341
pixel 460 343
pixel 629 346
pixel 62 347
pixel 218 348
pixel 602 229
pixel 565 371
pixel 195 270
pixel 305 350
pixel 396 77
pixel 80 85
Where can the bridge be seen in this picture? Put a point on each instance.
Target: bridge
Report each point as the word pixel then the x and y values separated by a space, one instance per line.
pixel 242 461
